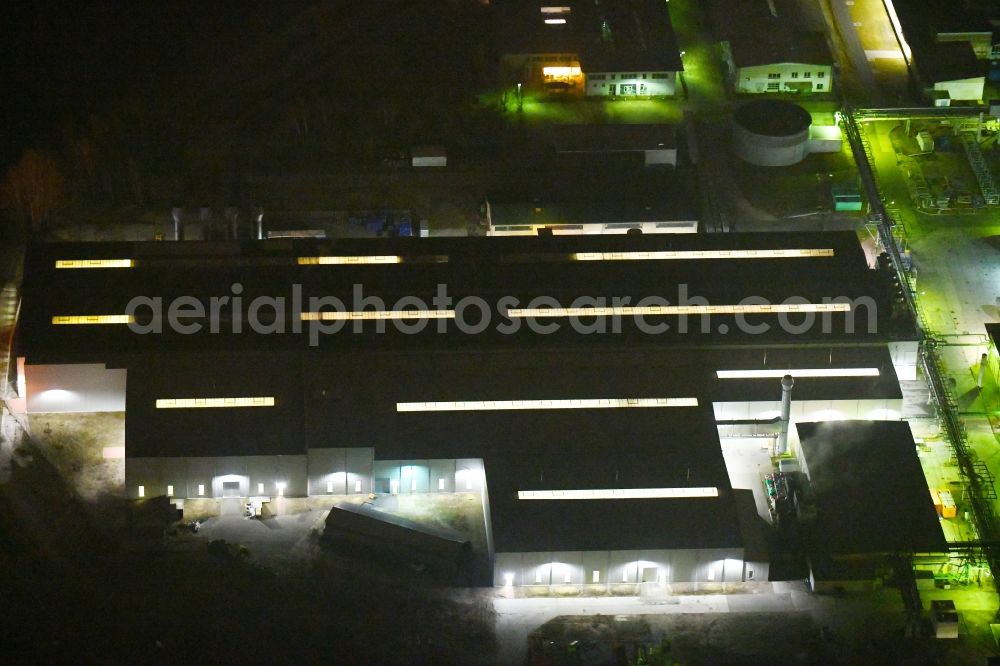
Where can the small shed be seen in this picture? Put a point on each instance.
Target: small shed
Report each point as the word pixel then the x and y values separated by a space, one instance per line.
pixel 428 156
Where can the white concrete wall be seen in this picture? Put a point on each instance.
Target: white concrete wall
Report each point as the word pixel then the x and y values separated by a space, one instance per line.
pixel 769 150
pixel 963 89
pixel 344 471
pixel 77 387
pixel 419 476
pixel 599 84
pixel 430 161
pixel 905 357
pixel 350 471
pixel 884 409
pixel 187 474
pixel 825 139
pixel 754 80
pixel 625 567
pixel 661 156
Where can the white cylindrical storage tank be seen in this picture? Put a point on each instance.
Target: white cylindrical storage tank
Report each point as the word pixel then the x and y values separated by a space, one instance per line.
pixel 771 132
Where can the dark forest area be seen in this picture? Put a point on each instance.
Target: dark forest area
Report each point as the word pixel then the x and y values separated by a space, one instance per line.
pixel 116 108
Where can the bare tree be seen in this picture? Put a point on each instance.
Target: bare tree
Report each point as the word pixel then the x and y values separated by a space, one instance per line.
pixel 33 189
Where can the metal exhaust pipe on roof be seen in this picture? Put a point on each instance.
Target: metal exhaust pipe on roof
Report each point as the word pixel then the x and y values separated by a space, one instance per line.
pixel 178 215
pixel 787 382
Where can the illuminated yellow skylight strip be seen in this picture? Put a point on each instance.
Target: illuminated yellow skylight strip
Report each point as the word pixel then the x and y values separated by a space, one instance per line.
pixel 632 311
pixel 94 263
pixel 365 315
pixel 361 259
pixel 797 372
pixel 503 405
pixel 703 254
pixel 194 403
pixel 64 320
pixel 350 260
pixel 618 493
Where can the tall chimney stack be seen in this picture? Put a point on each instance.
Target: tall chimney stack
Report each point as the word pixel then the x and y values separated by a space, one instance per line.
pixel 787 382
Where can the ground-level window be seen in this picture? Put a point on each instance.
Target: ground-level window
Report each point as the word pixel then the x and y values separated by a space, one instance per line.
pixel 773 86
pixel 170 491
pixel 819 86
pixel 595 576
pixel 627 89
pixel 201 488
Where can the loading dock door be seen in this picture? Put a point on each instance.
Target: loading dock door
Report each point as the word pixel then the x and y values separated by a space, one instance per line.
pixel 230 488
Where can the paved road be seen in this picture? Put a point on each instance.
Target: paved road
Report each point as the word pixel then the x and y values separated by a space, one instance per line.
pixel 274 541
pixel 873 25
pixel 868 50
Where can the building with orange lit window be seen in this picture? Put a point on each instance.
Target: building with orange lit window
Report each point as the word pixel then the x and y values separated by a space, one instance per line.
pixel 606 49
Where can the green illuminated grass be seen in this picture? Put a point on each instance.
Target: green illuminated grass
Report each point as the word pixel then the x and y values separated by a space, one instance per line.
pixel 536 109
pixel 703 68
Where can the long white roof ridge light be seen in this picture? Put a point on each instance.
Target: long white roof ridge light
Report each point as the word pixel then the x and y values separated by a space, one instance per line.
pixel 94 263
pixel 360 259
pixel 618 493
pixel 65 320
pixel 195 403
pixel 791 253
pixel 364 315
pixel 797 372
pixel 351 259
pixel 631 311
pixel 575 403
